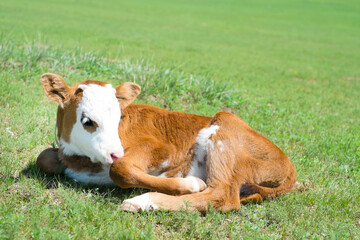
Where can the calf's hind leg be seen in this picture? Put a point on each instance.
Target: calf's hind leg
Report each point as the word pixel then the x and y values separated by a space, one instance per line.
pixel 260 168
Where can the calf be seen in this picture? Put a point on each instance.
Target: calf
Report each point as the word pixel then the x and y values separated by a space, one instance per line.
pixel 190 161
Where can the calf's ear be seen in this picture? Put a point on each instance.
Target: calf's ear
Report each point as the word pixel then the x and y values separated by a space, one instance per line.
pixel 55 88
pixel 126 93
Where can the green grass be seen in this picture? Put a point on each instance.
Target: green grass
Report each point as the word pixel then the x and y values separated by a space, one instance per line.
pixel 288 68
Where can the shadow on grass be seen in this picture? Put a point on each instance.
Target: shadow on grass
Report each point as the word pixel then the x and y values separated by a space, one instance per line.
pixel 54 181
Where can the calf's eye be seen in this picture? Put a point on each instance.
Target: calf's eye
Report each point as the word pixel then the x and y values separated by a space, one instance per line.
pixel 87 122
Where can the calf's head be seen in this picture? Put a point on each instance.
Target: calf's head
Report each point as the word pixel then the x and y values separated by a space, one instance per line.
pixel 88 116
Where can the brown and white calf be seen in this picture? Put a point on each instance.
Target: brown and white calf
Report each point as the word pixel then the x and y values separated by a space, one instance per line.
pixel 190 161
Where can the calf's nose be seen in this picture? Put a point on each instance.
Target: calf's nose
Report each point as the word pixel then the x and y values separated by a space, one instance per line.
pixel 115 156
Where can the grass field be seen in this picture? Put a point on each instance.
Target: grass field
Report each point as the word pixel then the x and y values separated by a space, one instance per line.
pixel 290 69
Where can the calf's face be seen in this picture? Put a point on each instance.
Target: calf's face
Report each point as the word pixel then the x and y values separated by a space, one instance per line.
pixel 95 132
pixel 88 116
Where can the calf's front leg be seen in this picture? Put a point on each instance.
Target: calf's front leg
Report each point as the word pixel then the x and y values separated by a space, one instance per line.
pixel 130 171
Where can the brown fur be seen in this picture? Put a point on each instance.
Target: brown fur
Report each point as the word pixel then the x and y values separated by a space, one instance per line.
pixel 80 163
pixel 249 160
pixel 48 161
pixel 249 168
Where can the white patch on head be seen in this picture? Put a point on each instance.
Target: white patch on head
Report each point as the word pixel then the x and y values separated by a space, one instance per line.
pixel 70 149
pixel 142 202
pixel 203 144
pixel 101 106
pixel 100 178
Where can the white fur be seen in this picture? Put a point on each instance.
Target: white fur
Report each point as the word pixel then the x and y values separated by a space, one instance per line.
pixel 165 164
pixel 100 105
pixel 143 202
pixel 101 178
pixel 179 174
pixel 163 175
pixel 221 146
pixel 195 186
pixel 160 170
pixel 70 149
pixel 203 145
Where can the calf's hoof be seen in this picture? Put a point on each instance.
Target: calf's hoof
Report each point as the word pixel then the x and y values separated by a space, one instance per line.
pixel 138 203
